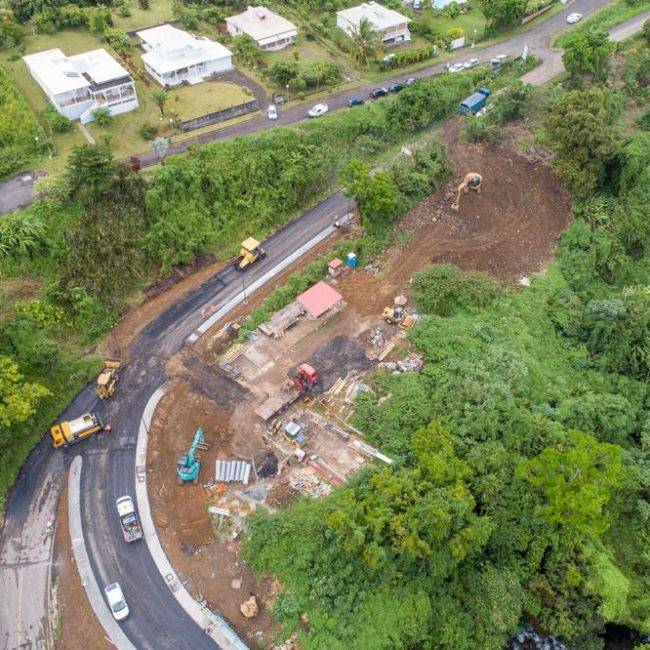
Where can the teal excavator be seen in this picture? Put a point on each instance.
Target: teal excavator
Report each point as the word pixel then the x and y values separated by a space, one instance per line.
pixel 189 465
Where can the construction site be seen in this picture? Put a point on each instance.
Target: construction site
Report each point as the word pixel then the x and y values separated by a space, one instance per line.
pixel 264 421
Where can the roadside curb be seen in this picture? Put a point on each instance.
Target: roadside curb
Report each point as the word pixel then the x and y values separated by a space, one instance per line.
pixel 277 269
pixel 213 625
pixel 94 594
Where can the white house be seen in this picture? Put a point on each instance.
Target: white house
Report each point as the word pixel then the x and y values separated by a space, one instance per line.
pixel 391 24
pixel 268 29
pixel 173 56
pixel 77 85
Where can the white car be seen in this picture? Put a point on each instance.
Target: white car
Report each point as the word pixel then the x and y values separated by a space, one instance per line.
pixel 472 63
pixel 456 67
pixel 318 110
pixel 572 19
pixel 272 112
pixel 116 601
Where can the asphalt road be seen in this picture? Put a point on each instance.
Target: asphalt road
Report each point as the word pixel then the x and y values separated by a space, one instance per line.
pixel 156 621
pixel 108 472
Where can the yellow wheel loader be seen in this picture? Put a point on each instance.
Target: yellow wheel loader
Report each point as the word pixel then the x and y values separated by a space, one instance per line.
pixel 250 252
pixel 108 378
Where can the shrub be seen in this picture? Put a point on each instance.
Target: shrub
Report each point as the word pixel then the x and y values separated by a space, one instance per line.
pixel 57 122
pixel 118 39
pixel 144 4
pixel 482 129
pixel 444 289
pixel 102 116
pixel 148 131
pixel 11 34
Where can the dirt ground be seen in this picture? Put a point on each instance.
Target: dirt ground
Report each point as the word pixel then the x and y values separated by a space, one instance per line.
pixel 509 230
pixel 76 625
pixel 201 397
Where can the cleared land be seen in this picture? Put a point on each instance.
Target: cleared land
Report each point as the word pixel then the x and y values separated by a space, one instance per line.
pixel 510 230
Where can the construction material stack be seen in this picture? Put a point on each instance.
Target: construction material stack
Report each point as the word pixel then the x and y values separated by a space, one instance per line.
pixel 304 379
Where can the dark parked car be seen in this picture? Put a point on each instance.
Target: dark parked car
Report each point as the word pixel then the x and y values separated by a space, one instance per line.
pixel 378 92
pixel 396 87
pixel 355 101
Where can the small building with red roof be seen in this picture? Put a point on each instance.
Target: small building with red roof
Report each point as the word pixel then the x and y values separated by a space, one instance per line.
pixel 320 299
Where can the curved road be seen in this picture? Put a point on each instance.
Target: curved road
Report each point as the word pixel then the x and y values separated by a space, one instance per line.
pixel 109 460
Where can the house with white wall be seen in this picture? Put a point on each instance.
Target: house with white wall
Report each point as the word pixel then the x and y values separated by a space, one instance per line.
pixel 173 56
pixel 392 25
pixel 78 85
pixel 268 29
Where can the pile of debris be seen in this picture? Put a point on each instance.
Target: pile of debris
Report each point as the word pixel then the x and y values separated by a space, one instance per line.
pixel 376 338
pixel 410 363
pixel 308 483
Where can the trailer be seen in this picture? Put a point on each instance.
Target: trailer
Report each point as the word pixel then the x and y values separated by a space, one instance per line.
pixel 302 380
pixel 474 103
pixel 277 403
pixel 129 520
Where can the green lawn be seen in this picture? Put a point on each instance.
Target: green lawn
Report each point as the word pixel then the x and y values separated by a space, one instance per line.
pixel 160 11
pixel 468 22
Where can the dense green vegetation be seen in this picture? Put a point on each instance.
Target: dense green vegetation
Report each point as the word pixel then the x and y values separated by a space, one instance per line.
pixel 520 487
pixel 21 137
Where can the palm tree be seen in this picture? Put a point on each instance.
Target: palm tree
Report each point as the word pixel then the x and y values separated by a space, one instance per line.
pixel 160 97
pixel 365 42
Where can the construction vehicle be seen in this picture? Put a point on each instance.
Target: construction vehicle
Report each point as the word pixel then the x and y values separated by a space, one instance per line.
pixel 108 378
pixel 73 431
pixel 189 466
pixel 303 380
pixel 472 181
pixel 250 252
pixel 129 520
pixel 395 315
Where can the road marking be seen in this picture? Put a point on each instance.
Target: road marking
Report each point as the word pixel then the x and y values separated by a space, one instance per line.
pixel 20 603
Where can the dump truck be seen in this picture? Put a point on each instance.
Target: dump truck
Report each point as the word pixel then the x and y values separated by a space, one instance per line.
pixel 129 520
pixel 73 431
pixel 250 252
pixel 474 103
pixel 107 379
pixel 304 379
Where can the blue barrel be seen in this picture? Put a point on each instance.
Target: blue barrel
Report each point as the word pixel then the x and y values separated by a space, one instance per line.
pixel 351 260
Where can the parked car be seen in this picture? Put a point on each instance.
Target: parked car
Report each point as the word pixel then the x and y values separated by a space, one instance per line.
pixel 272 112
pixel 410 81
pixel 574 18
pixel 116 601
pixel 417 5
pixel 378 92
pixel 355 101
pixel 396 87
pixel 472 63
pixel 452 68
pixel 318 110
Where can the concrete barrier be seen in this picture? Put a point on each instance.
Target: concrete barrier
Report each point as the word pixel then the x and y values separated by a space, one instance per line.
pixel 212 624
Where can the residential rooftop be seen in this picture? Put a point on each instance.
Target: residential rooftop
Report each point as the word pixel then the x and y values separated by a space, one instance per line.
pixel 381 17
pixel 260 23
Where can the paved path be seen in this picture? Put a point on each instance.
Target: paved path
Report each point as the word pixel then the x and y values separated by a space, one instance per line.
pixel 553 62
pixel 109 461
pixel 18 192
